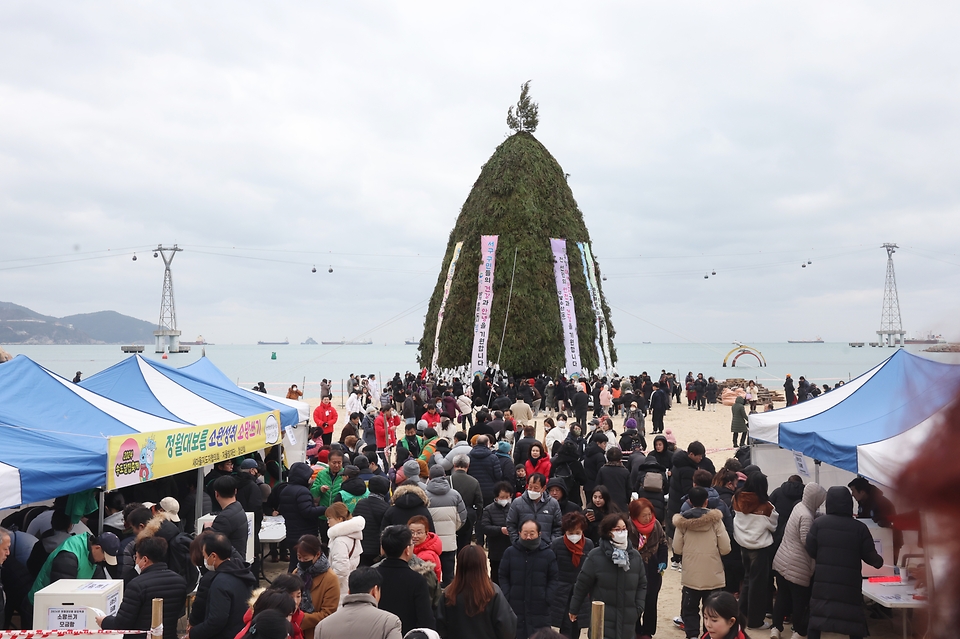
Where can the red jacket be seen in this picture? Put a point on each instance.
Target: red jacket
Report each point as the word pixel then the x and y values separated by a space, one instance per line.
pixel 386 436
pixel 430 551
pixel 542 467
pixel 432 420
pixel 325 416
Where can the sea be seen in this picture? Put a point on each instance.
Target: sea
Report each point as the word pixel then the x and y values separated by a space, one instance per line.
pixel 279 366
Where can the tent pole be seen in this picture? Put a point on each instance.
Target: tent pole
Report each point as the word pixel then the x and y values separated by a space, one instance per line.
pixel 100 526
pixel 198 505
pixel 816 470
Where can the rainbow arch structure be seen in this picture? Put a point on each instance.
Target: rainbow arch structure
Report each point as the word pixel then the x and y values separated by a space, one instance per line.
pixel 741 350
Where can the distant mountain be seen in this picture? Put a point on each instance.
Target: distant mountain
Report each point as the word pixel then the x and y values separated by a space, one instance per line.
pixel 21 325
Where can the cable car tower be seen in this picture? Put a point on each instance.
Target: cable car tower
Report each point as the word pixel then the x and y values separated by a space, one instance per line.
pixel 167 335
pixel 890 326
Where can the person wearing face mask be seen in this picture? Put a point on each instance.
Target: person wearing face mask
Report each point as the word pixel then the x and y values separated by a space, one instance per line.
pixel 320 596
pixel 534 503
pixel 493 523
pixel 153 580
pixel 218 614
pixel 570 550
pixel 613 573
pixel 529 578
pixel 652 544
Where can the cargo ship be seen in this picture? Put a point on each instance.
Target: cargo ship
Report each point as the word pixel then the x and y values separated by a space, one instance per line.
pixel 283 343
pixel 413 341
pixel 818 340
pixel 929 339
pixel 200 342
pixel 349 342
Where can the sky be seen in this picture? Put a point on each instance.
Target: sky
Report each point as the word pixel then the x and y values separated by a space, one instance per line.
pixel 268 139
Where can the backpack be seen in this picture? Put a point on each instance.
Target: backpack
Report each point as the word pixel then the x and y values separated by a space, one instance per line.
pixel 178 560
pixel 653 482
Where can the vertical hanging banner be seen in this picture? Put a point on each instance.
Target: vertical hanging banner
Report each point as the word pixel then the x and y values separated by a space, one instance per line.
pixel 443 303
pixel 568 315
pixel 594 302
pixel 481 324
pixel 601 320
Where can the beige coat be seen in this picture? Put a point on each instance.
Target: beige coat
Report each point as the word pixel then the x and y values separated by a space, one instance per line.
pixel 359 618
pixel 701 541
pixel 522 412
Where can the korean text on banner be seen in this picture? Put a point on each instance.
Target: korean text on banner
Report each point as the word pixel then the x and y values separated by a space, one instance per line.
pixel 601 320
pixel 141 457
pixel 594 303
pixel 443 303
pixel 481 324
pixel 568 315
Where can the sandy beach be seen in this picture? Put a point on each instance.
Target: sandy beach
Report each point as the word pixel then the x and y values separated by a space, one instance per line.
pixel 713 430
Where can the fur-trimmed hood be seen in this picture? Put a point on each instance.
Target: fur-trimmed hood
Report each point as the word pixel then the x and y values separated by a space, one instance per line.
pixel 697 524
pixel 352 527
pixel 406 496
pixel 160 524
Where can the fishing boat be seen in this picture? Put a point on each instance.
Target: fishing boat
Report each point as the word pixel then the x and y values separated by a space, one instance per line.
pixel 283 343
pixel 818 340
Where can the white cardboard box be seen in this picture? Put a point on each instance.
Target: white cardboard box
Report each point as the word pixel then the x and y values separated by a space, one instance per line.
pixel 67 604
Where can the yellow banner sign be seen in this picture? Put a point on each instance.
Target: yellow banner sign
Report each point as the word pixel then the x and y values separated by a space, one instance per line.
pixel 141 457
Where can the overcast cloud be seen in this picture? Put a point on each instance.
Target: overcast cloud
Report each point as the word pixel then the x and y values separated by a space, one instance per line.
pixel 741 137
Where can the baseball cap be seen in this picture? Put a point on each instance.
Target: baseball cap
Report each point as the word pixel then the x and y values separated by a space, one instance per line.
pixel 110 545
pixel 172 507
pixel 147 504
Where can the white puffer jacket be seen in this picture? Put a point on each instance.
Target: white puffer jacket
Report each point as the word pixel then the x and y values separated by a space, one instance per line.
pixel 792 560
pixel 345 549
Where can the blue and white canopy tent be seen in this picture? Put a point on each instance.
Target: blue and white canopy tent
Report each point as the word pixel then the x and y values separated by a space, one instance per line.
pixel 58 438
pixel 54 433
pixel 179 393
pixel 872 425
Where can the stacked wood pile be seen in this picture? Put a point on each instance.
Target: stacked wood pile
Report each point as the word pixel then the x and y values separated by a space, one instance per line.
pixel 766 395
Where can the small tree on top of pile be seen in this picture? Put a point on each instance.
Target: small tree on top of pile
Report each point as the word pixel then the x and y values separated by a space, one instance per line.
pixel 525 118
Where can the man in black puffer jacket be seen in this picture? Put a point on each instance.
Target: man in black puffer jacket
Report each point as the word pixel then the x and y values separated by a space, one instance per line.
pixel 300 515
pixel 838 543
pixel 154 580
pixel 231 520
pixel 228 592
pixel 408 501
pixel 485 468
pixel 594 458
pixel 529 578
pixel 372 509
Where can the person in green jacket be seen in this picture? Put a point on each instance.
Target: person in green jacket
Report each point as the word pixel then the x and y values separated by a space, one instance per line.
pixel 739 421
pixel 327 484
pixel 78 557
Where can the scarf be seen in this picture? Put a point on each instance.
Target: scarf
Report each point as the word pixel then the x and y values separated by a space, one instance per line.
pixel 619 556
pixel 576 549
pixel 319 567
pixel 645 530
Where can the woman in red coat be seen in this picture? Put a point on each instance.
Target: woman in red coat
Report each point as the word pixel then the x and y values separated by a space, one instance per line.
pixel 325 417
pixel 538 461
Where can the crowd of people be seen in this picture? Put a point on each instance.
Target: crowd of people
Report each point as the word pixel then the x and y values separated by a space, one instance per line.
pixel 443 510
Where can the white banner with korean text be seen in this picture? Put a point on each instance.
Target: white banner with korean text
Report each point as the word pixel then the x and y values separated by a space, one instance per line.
pixel 568 315
pixel 443 303
pixel 481 325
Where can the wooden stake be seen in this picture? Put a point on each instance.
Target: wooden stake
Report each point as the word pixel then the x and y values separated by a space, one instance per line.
pixel 157 618
pixel 596 620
